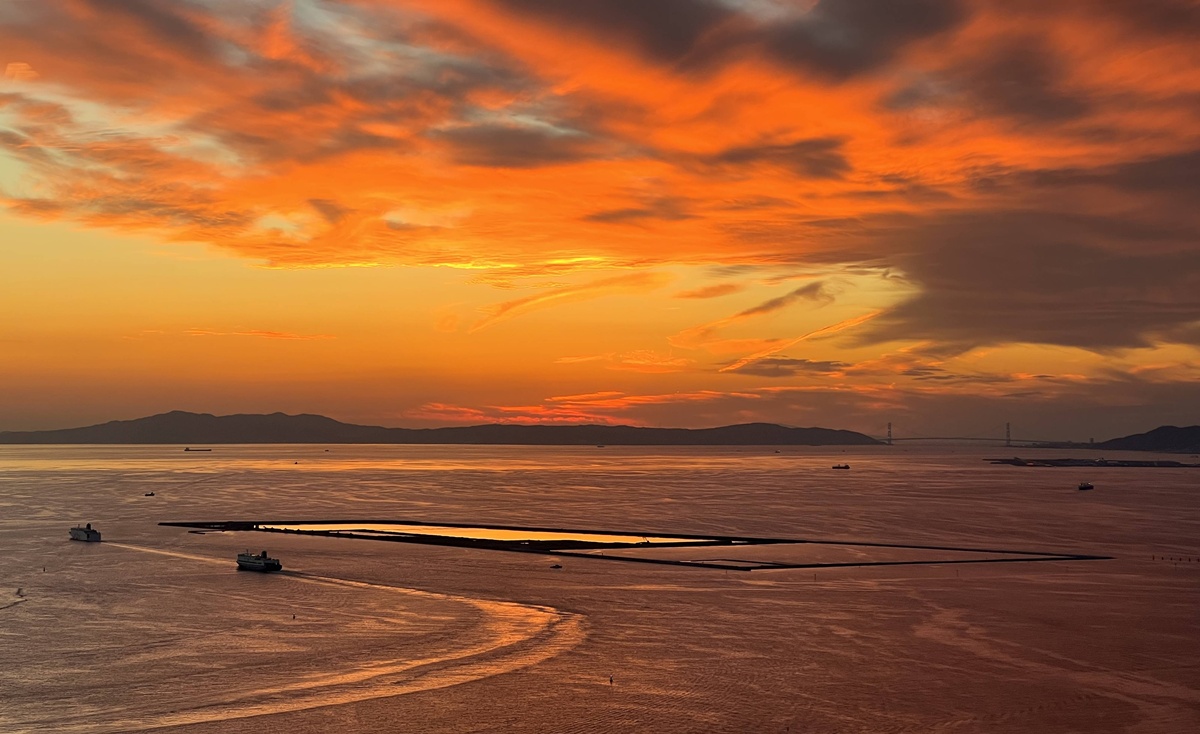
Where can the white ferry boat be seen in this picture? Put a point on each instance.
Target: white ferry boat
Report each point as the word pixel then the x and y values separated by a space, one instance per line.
pixel 261 562
pixel 87 533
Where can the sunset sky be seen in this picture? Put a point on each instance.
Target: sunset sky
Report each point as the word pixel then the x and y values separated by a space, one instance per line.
pixel 946 214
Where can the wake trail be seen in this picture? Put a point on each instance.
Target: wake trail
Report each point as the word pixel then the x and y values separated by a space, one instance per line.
pixel 173 554
pixel 510 636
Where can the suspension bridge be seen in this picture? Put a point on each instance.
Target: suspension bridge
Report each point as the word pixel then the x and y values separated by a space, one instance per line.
pixel 1005 440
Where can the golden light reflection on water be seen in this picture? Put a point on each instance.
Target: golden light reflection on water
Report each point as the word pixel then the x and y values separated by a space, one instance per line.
pixel 407 460
pixel 401 529
pixel 503 636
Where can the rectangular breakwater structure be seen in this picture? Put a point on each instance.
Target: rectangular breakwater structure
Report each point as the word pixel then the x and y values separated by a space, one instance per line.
pixel 730 553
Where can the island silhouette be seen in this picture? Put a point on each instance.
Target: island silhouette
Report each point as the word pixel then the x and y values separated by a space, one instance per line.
pixel 180 427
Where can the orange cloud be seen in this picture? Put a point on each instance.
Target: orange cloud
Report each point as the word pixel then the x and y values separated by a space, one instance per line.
pixel 20 71
pixel 815 292
pixel 443 412
pixel 712 291
pixel 823 331
pixel 643 360
pixel 1025 169
pixel 633 282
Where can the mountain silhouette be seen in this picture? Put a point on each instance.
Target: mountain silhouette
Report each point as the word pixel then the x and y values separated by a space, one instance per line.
pixel 1164 438
pixel 180 427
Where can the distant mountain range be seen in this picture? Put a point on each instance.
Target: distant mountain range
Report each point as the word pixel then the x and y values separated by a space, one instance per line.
pixel 1164 438
pixel 179 427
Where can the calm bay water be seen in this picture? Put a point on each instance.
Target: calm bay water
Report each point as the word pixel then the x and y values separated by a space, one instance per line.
pixel 154 629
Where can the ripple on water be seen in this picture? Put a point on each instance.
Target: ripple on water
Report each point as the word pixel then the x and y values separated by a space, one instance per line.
pixel 117 645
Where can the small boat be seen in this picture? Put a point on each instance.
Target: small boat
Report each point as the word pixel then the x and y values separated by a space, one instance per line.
pixel 841 466
pixel 87 534
pixel 148 494
pixel 261 562
pixel 191 449
pixel 1085 486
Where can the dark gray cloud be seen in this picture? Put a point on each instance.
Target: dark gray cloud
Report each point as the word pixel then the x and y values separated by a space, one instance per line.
pixel 1019 77
pixel 332 211
pixel 313 91
pixel 181 208
pixel 668 209
pixel 788 367
pixel 102 42
pixel 1041 268
pixel 931 373
pixel 815 292
pixel 505 146
pixel 197 45
pixel 809 158
pixel 21 146
pixel 751 203
pixel 162 21
pixel 1027 276
pixel 448 80
pixel 836 39
pixel 1153 17
pixel 842 38
pixel 1176 173
pixel 1186 333
pixel 258 144
pixel 411 228
pixel 436 89
pixel 902 188
pixel 664 30
pixel 1180 17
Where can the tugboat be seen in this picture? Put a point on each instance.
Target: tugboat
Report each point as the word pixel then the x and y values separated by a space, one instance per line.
pixel 261 562
pixel 1083 486
pixel 87 534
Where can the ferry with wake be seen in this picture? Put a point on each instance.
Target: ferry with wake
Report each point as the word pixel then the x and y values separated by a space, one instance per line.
pixel 261 562
pixel 87 534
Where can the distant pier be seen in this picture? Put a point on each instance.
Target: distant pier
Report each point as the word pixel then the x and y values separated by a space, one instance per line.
pixel 1096 463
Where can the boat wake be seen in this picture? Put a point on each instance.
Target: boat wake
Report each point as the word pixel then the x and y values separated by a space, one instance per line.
pixel 12 603
pixel 506 636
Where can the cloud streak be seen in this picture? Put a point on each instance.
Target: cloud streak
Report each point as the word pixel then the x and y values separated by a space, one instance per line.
pixel 823 331
pixel 816 292
pixel 631 283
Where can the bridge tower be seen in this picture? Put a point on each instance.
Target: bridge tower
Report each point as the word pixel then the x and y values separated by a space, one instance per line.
pixel 1008 434
pixel 889 433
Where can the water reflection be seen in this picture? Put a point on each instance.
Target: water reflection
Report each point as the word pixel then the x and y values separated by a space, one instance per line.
pixel 403 529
